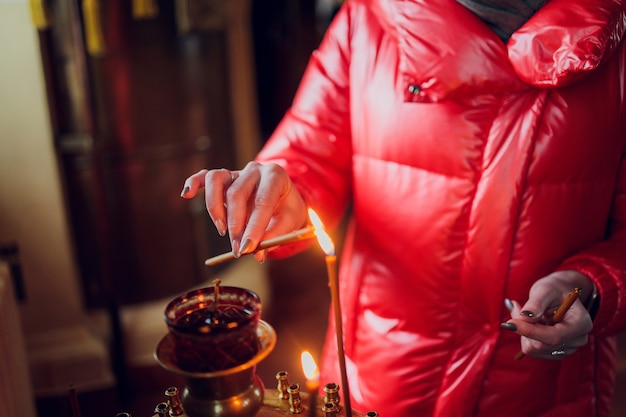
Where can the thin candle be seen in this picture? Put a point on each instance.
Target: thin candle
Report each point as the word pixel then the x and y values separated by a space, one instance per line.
pixel 311 372
pixel 559 314
pixel 328 247
pixel 300 234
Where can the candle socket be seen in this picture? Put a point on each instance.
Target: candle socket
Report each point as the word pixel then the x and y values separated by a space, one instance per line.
pixel 283 385
pixel 174 401
pixel 161 409
pixel 371 414
pixel 330 410
pixel 295 402
pixel 331 395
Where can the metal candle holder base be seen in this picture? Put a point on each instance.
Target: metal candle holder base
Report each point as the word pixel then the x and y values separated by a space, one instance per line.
pixel 233 392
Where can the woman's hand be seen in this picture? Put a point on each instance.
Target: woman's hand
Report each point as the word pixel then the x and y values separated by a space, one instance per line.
pixel 541 338
pixel 256 203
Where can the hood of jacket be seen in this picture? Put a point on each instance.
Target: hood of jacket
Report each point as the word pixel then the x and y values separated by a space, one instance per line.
pixel 560 43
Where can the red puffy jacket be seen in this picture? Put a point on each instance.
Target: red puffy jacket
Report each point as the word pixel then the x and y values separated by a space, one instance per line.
pixel 470 169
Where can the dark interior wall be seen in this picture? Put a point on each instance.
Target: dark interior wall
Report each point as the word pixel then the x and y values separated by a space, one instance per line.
pixel 131 123
pixel 285 34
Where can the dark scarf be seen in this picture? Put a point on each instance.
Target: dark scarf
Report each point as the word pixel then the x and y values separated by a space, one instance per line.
pixel 503 16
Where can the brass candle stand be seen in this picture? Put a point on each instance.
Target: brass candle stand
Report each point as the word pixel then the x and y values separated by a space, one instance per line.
pixel 209 328
pixel 234 392
pixel 272 406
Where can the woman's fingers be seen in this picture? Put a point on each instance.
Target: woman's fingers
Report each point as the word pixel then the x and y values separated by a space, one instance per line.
pixel 238 197
pixel 217 183
pixel 542 340
pixel 193 184
pixel 258 202
pixel 266 206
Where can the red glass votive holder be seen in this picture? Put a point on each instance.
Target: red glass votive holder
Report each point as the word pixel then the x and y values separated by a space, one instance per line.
pixel 210 335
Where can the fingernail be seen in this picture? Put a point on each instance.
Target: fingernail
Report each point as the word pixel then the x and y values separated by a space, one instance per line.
pixel 246 246
pixel 261 256
pixel 185 191
pixel 509 304
pixel 220 225
pixel 527 313
pixel 235 245
pixel 509 326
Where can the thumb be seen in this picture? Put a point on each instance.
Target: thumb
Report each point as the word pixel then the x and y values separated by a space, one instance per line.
pixel 542 298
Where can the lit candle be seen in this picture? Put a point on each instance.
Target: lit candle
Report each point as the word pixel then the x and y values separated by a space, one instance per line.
pixel 328 247
pixel 312 374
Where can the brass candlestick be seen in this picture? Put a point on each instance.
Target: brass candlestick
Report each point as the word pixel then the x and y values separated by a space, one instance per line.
pixel 331 395
pixel 330 410
pixel 215 341
pixel 283 385
pixel 295 402
pixel 233 392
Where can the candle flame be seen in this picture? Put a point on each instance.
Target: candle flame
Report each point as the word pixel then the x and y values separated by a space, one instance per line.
pixel 323 238
pixel 309 367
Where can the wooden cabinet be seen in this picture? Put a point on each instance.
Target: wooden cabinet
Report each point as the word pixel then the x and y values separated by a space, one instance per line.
pixel 162 98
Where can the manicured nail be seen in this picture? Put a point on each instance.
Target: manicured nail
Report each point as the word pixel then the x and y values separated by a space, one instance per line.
pixel 235 245
pixel 247 246
pixel 261 256
pixel 509 305
pixel 527 313
pixel 509 326
pixel 185 191
pixel 220 225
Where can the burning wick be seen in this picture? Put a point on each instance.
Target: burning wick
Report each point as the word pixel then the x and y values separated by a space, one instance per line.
pixel 214 319
pixel 312 375
pixel 216 299
pixel 216 292
pixel 328 247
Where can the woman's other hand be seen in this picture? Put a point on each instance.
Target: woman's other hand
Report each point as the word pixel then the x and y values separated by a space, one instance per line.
pixel 541 337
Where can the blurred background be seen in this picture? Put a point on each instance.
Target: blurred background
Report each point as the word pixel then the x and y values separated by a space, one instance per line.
pixel 106 106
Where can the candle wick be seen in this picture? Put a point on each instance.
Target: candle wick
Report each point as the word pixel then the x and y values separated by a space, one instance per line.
pixel 216 298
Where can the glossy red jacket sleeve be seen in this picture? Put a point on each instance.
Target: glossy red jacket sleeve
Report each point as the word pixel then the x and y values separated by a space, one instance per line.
pixel 605 264
pixel 312 141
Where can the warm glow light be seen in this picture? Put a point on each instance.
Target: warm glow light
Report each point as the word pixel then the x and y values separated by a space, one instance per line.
pixel 324 240
pixel 309 367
